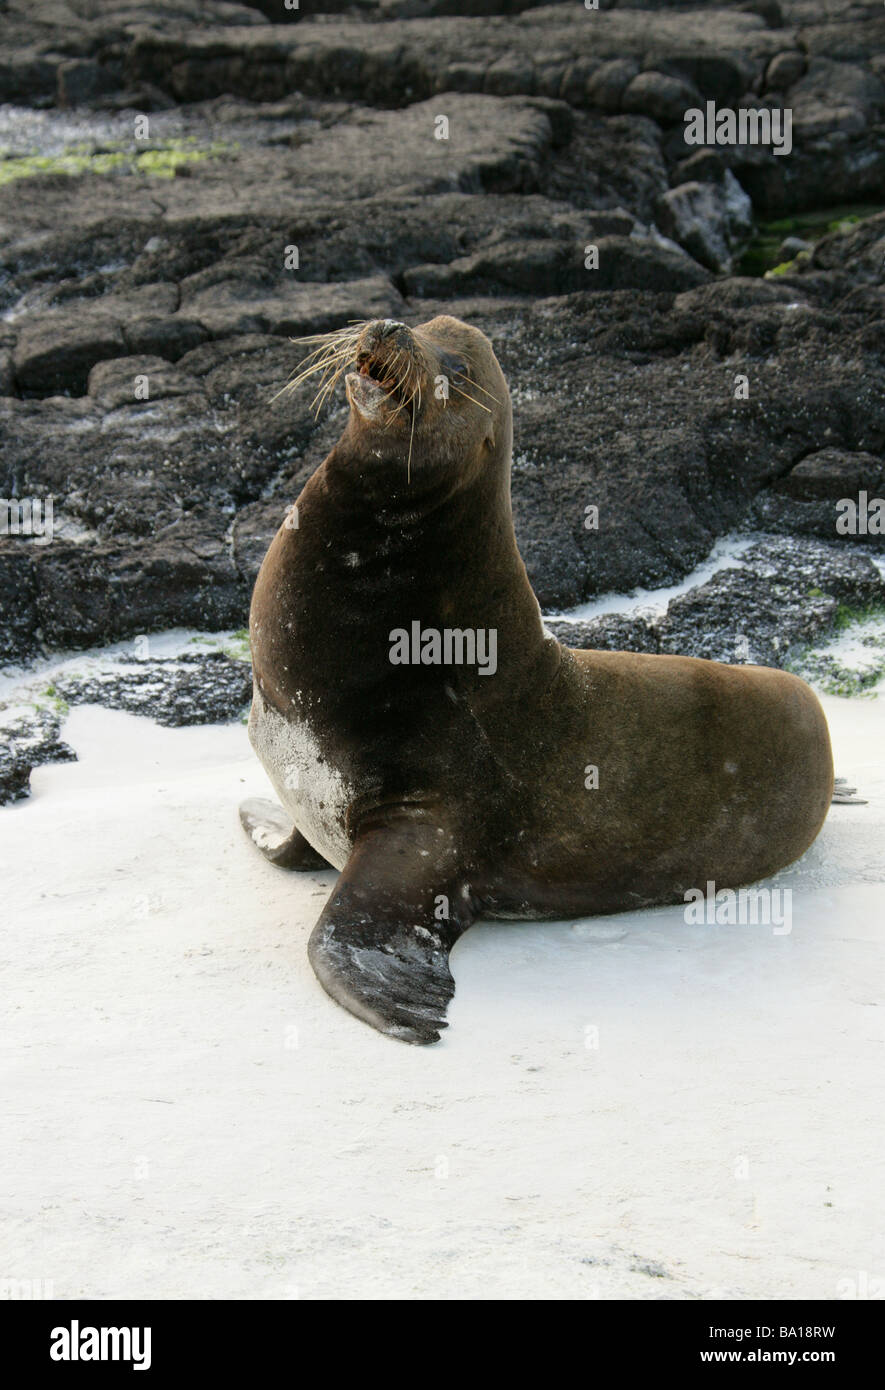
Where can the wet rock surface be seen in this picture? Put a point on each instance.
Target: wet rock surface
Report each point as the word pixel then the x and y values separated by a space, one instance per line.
pixel 148 290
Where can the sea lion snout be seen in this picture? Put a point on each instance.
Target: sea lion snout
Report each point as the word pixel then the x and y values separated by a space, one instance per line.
pixel 386 354
pixel 384 338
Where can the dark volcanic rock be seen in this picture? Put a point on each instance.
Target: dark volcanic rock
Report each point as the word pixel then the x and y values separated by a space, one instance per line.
pixel 610 632
pixel 28 738
pixel 833 474
pixel 56 353
pixel 80 82
pixel 782 597
pixel 372 63
pixel 19 618
pixel 419 157
pixel 664 98
pixel 805 502
pixel 557 267
pixel 202 688
pixel 784 70
pixel 207 688
pixel 184 578
pixel 712 221
pixel 785 595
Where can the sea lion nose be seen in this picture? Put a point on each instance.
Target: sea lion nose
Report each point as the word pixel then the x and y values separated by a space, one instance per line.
pixel 385 334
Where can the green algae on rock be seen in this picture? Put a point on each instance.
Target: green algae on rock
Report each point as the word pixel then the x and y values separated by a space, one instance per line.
pixel 161 161
pixel 760 257
pixel 852 663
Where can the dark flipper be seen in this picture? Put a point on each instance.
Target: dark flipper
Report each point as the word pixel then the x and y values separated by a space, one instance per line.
pixel 381 947
pixel 271 831
pixel 843 795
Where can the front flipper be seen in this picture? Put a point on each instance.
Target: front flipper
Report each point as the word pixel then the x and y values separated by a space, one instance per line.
pixel 381 947
pixel 271 831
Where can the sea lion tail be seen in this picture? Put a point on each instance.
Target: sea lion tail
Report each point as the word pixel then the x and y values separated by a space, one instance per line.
pixel 843 795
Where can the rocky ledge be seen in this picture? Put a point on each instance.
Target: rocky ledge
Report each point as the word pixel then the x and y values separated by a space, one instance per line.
pixel 783 598
pixel 188 186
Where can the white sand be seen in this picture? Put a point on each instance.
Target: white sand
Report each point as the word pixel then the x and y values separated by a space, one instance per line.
pixel 163 1135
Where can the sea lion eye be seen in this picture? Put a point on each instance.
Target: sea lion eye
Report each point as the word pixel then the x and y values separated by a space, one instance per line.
pixel 452 365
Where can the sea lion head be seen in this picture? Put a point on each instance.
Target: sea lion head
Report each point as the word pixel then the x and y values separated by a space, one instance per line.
pixel 425 400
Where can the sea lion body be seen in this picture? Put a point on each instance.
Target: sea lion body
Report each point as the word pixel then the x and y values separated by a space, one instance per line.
pixel 552 783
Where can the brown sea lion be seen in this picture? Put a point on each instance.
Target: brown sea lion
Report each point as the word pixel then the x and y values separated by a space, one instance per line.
pixel 434 743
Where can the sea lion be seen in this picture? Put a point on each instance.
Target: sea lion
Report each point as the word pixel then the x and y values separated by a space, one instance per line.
pixel 431 740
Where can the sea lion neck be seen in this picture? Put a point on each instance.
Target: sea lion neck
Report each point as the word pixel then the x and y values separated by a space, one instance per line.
pixel 411 555
pixel 356 481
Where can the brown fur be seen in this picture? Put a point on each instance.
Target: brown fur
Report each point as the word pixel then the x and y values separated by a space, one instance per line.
pixel 706 771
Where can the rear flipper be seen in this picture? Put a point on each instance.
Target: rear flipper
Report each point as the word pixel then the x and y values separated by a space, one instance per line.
pixel 381 946
pixel 271 831
pixel 843 795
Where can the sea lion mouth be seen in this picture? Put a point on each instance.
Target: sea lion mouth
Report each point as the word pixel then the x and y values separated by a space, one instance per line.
pixel 380 362
pixel 367 395
pixel 379 371
pixel 385 378
pixel 379 385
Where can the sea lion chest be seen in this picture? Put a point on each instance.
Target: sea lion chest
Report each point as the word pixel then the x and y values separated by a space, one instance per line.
pixel 313 789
